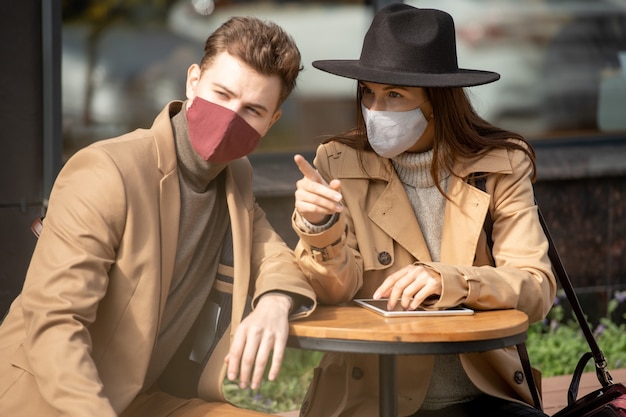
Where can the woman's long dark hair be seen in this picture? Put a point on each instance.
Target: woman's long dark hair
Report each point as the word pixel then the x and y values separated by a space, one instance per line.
pixel 459 132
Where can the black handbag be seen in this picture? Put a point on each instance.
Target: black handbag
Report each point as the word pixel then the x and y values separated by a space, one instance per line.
pixel 608 401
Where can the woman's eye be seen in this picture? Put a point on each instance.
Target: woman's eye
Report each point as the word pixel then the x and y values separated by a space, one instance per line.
pixel 393 94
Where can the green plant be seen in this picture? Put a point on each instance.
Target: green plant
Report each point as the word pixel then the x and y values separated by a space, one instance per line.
pixel 556 344
pixel 286 392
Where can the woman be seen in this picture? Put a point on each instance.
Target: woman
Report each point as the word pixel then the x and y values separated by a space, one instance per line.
pixel 396 207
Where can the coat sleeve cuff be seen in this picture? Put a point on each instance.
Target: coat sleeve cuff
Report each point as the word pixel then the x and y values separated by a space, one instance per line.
pixel 465 290
pixel 324 245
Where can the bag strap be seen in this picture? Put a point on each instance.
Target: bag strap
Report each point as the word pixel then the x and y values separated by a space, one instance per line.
pixel 530 378
pixel 572 392
pixel 559 270
pixel 479 180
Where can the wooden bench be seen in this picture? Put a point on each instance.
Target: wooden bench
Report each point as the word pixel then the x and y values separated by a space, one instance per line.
pixel 554 390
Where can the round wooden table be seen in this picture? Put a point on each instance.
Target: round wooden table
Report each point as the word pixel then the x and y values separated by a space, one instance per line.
pixel 351 328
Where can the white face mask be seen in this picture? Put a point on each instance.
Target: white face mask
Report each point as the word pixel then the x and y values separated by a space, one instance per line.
pixel 392 132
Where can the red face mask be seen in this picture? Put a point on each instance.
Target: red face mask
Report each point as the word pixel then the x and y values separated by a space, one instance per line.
pixel 218 134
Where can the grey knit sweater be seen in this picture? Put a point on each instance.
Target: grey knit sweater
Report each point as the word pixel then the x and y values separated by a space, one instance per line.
pixel 448 384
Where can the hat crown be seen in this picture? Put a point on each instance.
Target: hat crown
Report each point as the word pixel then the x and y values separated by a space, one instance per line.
pixel 410 47
pixel 404 38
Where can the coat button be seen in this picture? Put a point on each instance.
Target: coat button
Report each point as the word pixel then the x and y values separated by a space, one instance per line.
pixel 384 258
pixel 357 373
pixel 519 377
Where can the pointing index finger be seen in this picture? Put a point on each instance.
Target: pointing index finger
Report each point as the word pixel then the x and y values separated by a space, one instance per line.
pixel 307 169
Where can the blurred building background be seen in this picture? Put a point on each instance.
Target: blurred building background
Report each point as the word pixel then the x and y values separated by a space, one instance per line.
pixel 563 85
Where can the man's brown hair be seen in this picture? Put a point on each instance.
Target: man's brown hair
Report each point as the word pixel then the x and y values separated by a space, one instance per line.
pixel 262 45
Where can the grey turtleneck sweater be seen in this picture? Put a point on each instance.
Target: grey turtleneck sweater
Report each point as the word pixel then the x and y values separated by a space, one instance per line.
pixel 428 203
pixel 448 384
pixel 203 224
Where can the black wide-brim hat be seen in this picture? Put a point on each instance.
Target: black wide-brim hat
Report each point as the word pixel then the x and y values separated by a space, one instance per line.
pixel 408 46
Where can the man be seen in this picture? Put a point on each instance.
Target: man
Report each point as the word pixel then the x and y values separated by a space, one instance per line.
pixel 151 245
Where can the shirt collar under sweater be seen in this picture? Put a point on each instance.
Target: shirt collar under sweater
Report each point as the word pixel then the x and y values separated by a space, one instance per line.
pixel 414 169
pixel 195 171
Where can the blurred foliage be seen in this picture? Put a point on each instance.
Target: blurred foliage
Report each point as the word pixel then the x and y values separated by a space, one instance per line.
pixel 556 344
pixel 286 392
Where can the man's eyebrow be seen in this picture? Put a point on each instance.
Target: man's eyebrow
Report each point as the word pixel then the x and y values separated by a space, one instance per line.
pixel 257 106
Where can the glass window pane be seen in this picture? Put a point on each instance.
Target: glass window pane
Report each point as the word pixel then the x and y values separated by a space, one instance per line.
pixel 561 63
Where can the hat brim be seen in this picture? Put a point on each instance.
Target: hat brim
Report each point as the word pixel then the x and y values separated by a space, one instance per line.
pixel 353 69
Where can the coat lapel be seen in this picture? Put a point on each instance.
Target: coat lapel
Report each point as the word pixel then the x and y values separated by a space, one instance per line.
pixel 387 213
pixel 467 207
pixel 169 197
pixel 170 209
pixel 392 210
pixel 242 243
pixel 464 213
pixel 463 221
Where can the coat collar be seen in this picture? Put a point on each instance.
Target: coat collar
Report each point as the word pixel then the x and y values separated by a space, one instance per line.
pixel 164 137
pixel 494 161
pixel 465 210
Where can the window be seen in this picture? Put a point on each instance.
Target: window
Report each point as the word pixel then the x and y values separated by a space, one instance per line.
pixel 562 63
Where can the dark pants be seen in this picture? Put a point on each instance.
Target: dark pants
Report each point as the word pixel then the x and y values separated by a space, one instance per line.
pixel 484 406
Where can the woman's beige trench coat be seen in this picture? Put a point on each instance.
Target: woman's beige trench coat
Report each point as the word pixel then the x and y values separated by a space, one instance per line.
pixel 379 234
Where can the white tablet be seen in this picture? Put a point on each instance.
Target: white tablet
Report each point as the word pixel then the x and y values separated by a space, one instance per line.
pixel 380 307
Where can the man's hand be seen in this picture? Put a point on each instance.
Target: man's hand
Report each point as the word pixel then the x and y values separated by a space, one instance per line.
pixel 264 330
pixel 315 199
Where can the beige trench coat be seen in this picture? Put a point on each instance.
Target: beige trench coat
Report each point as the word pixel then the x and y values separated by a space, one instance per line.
pixel 78 340
pixel 379 234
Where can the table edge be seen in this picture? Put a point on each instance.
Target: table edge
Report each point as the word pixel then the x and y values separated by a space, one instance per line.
pixel 403 348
